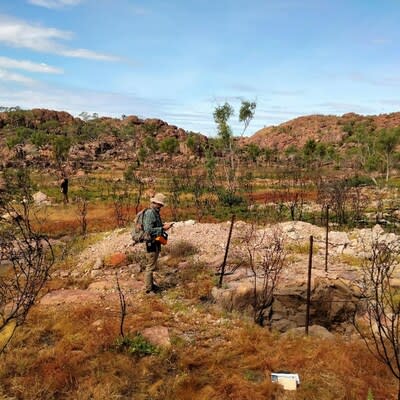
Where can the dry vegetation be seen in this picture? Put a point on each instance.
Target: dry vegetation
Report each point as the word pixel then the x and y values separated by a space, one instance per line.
pixel 70 353
pixel 72 350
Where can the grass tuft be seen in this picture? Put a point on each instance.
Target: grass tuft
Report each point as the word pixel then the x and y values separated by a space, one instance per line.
pixel 136 345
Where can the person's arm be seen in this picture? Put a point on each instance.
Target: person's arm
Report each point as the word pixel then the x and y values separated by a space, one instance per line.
pixel 168 225
pixel 149 220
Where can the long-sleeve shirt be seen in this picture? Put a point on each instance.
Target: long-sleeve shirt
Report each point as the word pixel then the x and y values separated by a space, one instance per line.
pixel 152 222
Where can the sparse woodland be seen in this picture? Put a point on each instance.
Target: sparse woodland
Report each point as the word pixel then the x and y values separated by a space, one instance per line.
pixel 75 322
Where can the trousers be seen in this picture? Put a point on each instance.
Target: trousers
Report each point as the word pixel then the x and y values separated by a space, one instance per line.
pixel 151 266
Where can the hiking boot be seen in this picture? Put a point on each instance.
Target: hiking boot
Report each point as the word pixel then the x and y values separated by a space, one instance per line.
pixel 154 289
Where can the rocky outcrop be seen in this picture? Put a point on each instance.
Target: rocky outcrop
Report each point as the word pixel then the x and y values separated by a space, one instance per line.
pixel 321 128
pixel 100 139
pixel 333 302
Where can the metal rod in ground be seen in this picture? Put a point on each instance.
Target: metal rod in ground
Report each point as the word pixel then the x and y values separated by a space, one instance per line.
pixel 309 284
pixel 221 277
pixel 326 238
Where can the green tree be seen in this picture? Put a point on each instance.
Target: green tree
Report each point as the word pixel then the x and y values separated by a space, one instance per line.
pixel 362 151
pixel 269 153
pixel 387 142
pixel 246 113
pixel 61 146
pixel 221 115
pixel 85 116
pixel 310 148
pixel 210 165
pixel 20 137
pixel 253 151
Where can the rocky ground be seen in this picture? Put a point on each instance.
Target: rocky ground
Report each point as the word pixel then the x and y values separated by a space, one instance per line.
pixel 113 253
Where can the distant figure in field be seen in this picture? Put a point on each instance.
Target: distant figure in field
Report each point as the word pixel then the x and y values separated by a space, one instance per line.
pixel 64 189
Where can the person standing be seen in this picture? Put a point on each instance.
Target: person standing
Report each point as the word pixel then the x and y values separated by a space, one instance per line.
pixel 154 227
pixel 64 189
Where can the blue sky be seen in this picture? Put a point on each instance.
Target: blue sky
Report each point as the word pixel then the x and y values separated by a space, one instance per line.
pixel 177 60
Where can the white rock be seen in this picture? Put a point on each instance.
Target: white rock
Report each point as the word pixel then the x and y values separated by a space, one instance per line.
pixel 40 198
pixel 377 230
pixel 336 238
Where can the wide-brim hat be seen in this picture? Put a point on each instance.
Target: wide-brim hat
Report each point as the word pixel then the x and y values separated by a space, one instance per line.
pixel 159 198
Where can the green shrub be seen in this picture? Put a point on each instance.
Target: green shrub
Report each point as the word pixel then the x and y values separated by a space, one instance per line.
pixel 151 144
pixel 169 145
pixel 61 146
pixel 142 154
pixel 39 138
pixel 20 136
pixel 229 198
pixel 136 345
pixel 182 249
pixel 358 180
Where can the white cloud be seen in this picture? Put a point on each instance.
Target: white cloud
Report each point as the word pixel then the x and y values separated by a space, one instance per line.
pixel 30 66
pixel 88 54
pixel 54 3
pixel 18 33
pixel 381 81
pixel 8 76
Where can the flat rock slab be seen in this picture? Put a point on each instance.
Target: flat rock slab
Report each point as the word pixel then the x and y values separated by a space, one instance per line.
pixel 157 335
pixel 70 296
pixel 111 284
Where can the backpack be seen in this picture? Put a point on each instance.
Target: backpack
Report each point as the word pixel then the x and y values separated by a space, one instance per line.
pixel 138 233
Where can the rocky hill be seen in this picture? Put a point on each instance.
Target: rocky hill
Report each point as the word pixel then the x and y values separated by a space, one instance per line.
pixel 33 135
pixel 321 128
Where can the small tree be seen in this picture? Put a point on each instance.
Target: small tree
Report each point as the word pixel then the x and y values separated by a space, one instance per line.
pixel 82 205
pixel 61 146
pixel 380 327
pixel 142 154
pixel 27 253
pixel 387 143
pixel 336 194
pixel 253 152
pixel 175 189
pixel 122 306
pixel 132 177
pixel 265 255
pixel 122 196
